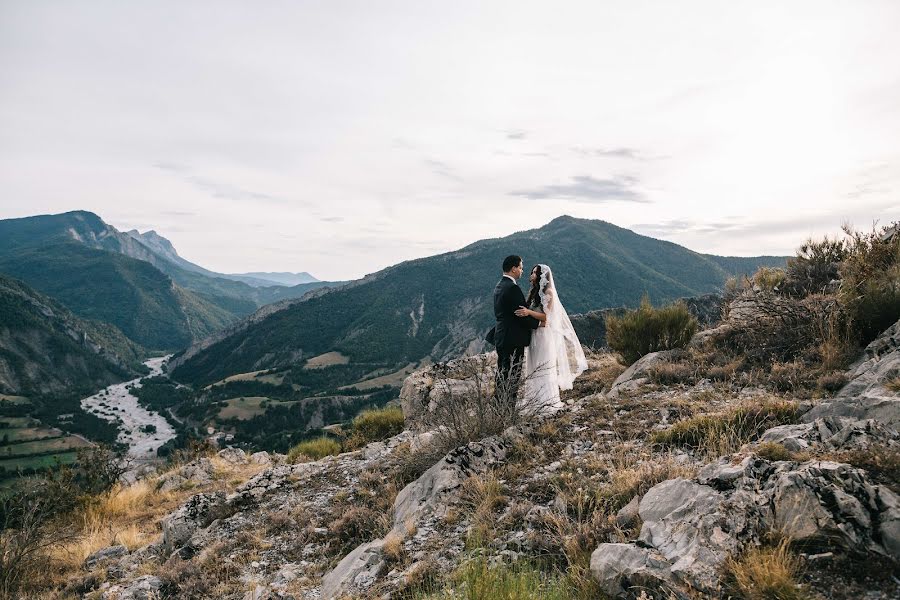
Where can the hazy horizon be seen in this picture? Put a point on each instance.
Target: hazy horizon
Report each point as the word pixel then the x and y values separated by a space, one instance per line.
pixel 341 138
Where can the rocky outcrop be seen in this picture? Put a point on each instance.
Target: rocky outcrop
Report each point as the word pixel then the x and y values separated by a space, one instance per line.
pixel 866 396
pixel 199 511
pixel 639 373
pixel 426 389
pixel 831 433
pixel 431 495
pixel 690 527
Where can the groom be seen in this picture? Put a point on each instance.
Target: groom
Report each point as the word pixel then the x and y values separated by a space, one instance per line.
pixel 511 334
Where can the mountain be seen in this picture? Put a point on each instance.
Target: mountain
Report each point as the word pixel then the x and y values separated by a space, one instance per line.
pixel 154 296
pixel 44 348
pixel 439 307
pixel 264 279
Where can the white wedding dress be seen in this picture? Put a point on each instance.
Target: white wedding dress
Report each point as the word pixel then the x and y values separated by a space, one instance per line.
pixel 554 358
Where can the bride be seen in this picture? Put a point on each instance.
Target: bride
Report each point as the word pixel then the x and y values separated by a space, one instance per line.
pixel 554 358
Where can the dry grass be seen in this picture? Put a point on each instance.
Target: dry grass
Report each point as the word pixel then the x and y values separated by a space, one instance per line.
pixel 129 515
pixel 893 384
pixel 483 495
pixel 726 432
pixel 767 573
pixel 393 547
pixel 773 452
pixel 603 369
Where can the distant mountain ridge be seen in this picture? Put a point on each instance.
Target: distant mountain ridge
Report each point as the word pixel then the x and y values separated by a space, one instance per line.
pixel 135 281
pixel 439 307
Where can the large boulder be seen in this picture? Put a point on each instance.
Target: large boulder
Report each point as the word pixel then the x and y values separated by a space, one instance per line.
pixel 438 487
pixel 199 511
pixel 690 527
pixel 424 391
pixel 866 396
pixel 357 571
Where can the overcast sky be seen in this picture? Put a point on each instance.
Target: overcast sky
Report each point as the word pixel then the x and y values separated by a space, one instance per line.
pixel 341 137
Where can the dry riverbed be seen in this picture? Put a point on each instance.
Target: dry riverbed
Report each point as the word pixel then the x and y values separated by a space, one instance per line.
pixel 116 404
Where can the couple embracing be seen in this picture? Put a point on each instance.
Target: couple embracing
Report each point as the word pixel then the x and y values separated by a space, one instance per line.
pixel 536 343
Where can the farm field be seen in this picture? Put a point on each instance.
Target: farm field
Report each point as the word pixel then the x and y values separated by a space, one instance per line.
pixel 24 434
pixel 326 360
pixel 245 408
pixel 42 446
pixel 46 460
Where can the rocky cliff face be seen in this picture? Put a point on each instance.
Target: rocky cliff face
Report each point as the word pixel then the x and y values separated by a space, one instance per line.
pixel 590 489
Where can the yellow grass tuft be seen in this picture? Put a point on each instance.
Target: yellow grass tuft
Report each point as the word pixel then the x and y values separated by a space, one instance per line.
pixel 768 573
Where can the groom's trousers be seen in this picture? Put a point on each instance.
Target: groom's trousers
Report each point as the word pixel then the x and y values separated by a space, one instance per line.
pixel 510 362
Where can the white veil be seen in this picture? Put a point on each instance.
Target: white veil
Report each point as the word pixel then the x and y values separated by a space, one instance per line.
pixel 570 359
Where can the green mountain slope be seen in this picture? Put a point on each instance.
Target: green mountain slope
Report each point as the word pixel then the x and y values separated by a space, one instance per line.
pixel 131 294
pixel 440 306
pixel 228 292
pixel 44 348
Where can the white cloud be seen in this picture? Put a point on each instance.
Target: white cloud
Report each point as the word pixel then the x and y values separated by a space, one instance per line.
pixel 341 137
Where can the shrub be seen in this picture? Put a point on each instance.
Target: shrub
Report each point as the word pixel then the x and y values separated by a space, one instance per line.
pixel 668 373
pixel 354 527
pixel 479 579
pixel 314 449
pixel 375 425
pixel 649 329
pixel 832 382
pixel 870 286
pixel 815 266
pixel 769 278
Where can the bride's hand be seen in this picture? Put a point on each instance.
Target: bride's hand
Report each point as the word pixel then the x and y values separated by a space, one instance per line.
pixel 523 312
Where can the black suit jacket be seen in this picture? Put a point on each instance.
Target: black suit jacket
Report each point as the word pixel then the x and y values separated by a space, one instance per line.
pixel 511 331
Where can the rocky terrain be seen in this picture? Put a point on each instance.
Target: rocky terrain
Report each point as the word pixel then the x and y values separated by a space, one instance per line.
pixel 603 492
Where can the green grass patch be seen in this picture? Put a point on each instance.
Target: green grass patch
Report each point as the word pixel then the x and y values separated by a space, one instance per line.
pixel 14 399
pixel 313 449
pixel 724 433
pixel 477 580
pixel 375 425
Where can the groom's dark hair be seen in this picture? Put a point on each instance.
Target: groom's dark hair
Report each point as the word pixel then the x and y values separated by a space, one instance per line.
pixel 511 261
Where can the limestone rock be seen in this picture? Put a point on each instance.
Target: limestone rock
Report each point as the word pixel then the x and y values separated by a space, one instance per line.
pixel 110 553
pixel 233 455
pixel 620 567
pixel 260 458
pixel 144 588
pixel 865 395
pixel 639 373
pixel 197 512
pixel 628 516
pixel 424 390
pixel 832 433
pixel 691 526
pixel 436 488
pixel 357 571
